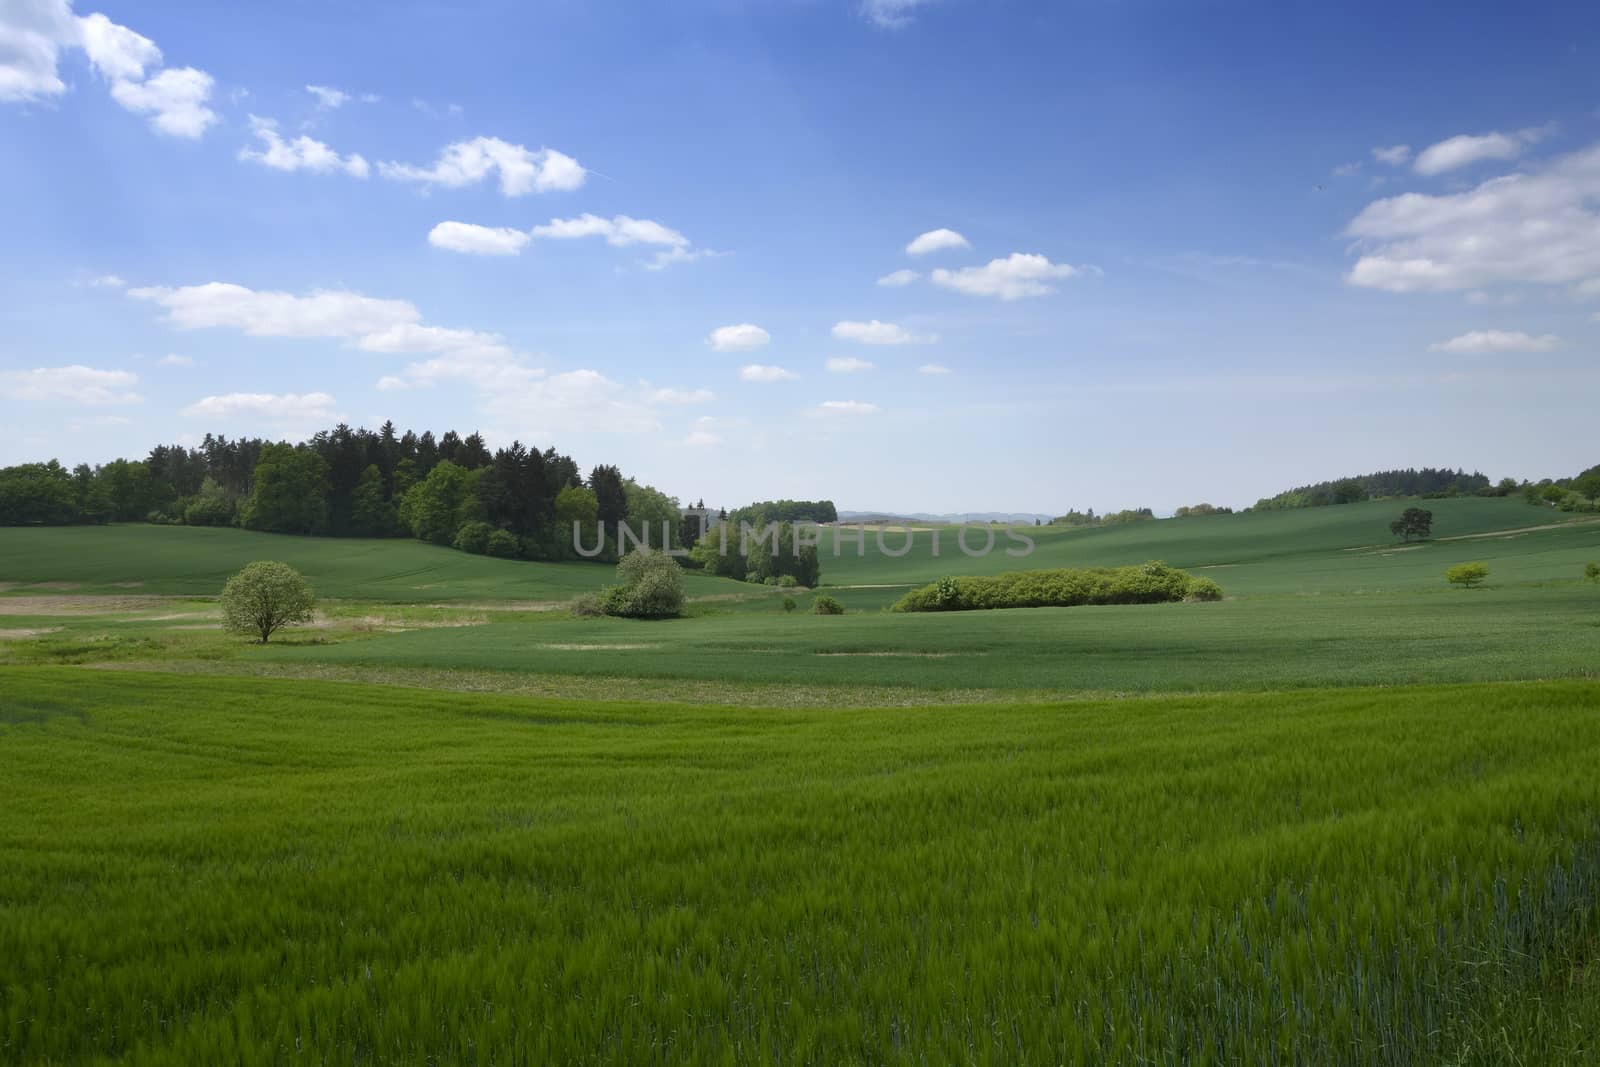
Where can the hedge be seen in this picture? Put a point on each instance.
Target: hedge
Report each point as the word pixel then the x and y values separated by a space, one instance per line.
pixel 1147 583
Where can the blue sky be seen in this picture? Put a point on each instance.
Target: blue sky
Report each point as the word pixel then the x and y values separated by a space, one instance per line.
pixel 1169 252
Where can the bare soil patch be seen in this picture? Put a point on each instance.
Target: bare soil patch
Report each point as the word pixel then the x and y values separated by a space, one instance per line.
pixel 597 648
pixel 79 605
pixel 905 655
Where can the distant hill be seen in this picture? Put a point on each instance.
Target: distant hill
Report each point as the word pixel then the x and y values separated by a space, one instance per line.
pixel 895 517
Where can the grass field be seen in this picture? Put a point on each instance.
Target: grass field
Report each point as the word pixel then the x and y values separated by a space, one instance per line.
pixel 197 560
pixel 1311 602
pixel 240 871
pixel 1347 815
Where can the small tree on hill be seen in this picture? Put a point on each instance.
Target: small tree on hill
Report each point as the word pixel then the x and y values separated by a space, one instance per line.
pixel 1467 575
pixel 265 597
pixel 1413 522
pixel 1591 572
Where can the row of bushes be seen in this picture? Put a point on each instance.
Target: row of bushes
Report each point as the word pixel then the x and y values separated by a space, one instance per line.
pixel 1147 583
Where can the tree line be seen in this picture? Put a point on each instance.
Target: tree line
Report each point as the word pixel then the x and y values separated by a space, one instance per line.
pixel 1579 493
pixel 515 502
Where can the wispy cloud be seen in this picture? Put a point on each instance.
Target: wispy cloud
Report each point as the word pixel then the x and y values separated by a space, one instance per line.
pixel 892 14
pixel 1488 341
pixel 1466 149
pixel 879 333
pixel 848 365
pixel 1013 278
pixel 760 372
pixel 74 384
pixel 842 409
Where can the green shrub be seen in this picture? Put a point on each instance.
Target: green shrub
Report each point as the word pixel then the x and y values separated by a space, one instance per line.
pixel 210 507
pixel 788 581
pixel 1147 583
pixel 588 606
pixel 788 604
pixel 652 587
pixel 826 605
pixel 503 544
pixel 474 537
pixel 1591 571
pixel 947 594
pixel 1467 575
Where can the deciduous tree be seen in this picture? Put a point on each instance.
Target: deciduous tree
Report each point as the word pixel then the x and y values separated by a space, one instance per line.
pixel 265 597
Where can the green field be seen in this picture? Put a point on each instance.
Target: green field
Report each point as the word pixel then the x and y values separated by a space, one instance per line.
pixel 229 871
pixel 197 560
pixel 1347 815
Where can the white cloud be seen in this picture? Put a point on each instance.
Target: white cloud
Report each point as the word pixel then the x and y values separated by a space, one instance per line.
pixel 891 14
pixel 1590 288
pixel 667 257
pixel 76 384
pixel 116 52
pixel 848 365
pixel 1486 341
pixel 680 397
pixel 272 407
pixel 412 338
pixel 175 99
pixel 899 278
pixel 574 400
pixel 174 360
pixel 1538 227
pixel 108 281
pixel 1467 149
pixel 328 98
pixel 760 372
pixel 33 32
pixel 1394 155
pixel 478 240
pixel 263 313
pixel 302 153
pixel 834 408
pixel 619 231
pixel 933 368
pixel 878 333
pixel 31 38
pixel 702 439
pixel 366 323
pixel 512 391
pixel 521 171
pixel 1018 275
pixel 740 338
pixel 934 241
